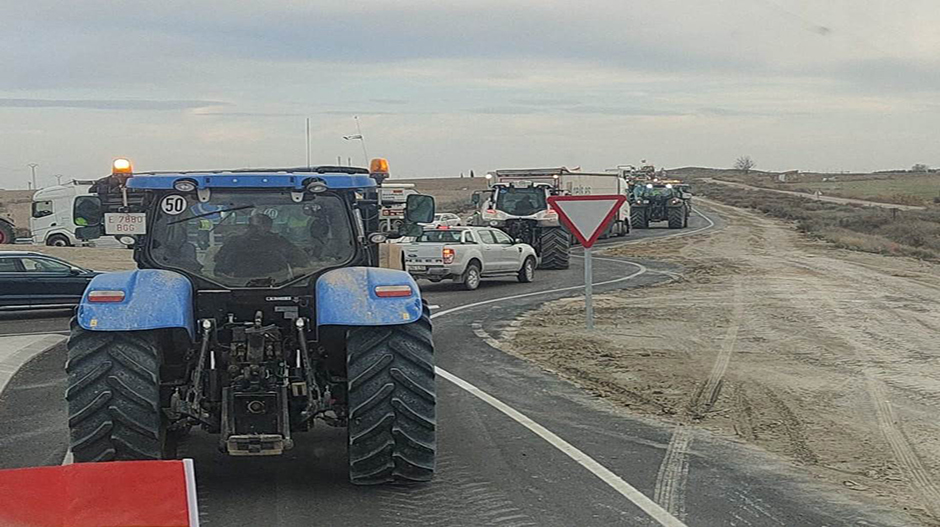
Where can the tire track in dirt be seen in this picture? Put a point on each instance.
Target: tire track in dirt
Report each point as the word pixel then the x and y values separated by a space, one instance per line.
pixel 673 475
pixel 705 398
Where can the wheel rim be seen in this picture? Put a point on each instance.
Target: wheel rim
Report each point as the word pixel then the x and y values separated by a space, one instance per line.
pixel 58 243
pixel 529 269
pixel 473 279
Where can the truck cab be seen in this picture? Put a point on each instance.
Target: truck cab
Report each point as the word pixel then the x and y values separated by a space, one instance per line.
pixel 51 220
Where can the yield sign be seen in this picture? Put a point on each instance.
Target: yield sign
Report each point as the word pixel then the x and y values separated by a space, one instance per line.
pixel 587 216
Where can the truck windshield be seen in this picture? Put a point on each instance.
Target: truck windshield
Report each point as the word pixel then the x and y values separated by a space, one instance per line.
pixel 251 239
pixel 520 201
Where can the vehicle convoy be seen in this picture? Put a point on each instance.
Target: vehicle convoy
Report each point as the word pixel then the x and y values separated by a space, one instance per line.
pixel 30 280
pixel 52 219
pixel 467 254
pixel 517 203
pixel 256 310
pixel 660 200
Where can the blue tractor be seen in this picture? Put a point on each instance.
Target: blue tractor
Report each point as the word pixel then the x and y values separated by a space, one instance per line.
pixel 257 309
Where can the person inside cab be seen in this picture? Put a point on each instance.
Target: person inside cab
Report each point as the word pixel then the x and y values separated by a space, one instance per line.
pixel 258 252
pixel 524 206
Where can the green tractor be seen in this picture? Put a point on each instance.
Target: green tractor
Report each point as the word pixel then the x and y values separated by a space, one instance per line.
pixel 652 201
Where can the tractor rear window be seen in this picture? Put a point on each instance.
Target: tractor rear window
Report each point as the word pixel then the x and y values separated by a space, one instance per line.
pixel 252 239
pixel 520 201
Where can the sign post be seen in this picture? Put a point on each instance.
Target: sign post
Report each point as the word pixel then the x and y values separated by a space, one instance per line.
pixel 587 217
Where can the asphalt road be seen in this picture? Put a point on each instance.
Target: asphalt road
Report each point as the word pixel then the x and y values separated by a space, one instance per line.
pixel 492 470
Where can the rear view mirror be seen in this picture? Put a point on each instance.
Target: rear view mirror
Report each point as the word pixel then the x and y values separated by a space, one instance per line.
pixel 475 198
pixel 419 209
pixel 685 195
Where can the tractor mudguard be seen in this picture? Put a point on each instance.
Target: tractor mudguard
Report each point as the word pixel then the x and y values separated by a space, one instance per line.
pixel 153 299
pixel 347 297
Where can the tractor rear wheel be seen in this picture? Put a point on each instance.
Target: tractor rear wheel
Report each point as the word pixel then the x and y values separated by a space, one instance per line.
pixel 6 233
pixel 638 218
pixel 390 372
pixel 113 396
pixel 556 248
pixel 677 217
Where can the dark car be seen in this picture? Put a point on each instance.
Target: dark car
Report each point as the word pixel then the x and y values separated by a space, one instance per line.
pixel 31 280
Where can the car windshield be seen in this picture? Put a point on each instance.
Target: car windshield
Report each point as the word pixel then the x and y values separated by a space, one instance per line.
pixel 251 239
pixel 440 236
pixel 520 201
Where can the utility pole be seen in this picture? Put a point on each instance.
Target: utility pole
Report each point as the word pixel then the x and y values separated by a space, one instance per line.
pixel 32 167
pixel 362 139
pixel 308 142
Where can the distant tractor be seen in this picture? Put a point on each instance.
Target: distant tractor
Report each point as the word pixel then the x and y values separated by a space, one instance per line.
pixel 257 309
pixel 652 201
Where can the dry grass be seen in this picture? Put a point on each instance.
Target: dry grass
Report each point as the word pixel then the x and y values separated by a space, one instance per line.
pixel 869 229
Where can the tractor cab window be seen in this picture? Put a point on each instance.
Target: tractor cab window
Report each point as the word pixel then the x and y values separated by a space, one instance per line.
pixel 520 201
pixel 252 239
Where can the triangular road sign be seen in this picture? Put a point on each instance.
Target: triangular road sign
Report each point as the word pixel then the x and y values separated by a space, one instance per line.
pixel 586 216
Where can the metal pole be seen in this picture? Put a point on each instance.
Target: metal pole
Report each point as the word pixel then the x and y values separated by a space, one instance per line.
pixel 308 142
pixel 362 139
pixel 588 289
pixel 32 167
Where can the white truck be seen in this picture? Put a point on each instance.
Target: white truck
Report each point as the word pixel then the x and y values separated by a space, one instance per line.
pixel 467 254
pixel 588 183
pixel 51 220
pixel 393 198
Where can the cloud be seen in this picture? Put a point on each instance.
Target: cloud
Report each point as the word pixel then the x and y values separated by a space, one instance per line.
pixel 105 104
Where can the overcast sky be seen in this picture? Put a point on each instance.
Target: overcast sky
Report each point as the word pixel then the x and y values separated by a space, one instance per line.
pixel 441 86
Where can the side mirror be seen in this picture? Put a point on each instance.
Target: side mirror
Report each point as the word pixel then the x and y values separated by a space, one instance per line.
pixel 518 240
pixel 419 209
pixel 87 211
pixel 475 198
pixel 685 195
pixel 75 271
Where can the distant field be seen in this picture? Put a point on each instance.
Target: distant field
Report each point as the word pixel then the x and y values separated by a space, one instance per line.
pixel 451 194
pixel 905 188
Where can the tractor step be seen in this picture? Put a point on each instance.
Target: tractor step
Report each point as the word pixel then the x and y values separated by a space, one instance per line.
pixel 257 445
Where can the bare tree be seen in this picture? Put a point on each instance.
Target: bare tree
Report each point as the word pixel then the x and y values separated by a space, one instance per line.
pixel 745 164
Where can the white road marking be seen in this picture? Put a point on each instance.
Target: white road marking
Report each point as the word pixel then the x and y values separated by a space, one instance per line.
pixel 614 481
pixel 15 351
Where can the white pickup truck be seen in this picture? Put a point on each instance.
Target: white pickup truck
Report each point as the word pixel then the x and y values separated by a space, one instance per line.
pixel 467 254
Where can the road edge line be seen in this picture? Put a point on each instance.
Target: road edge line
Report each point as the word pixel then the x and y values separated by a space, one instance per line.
pixel 648 506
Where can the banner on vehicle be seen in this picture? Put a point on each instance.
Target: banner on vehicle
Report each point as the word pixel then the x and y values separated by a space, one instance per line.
pixel 120 494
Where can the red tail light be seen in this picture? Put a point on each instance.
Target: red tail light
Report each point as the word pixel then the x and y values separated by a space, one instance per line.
pixel 389 291
pixel 448 255
pixel 106 296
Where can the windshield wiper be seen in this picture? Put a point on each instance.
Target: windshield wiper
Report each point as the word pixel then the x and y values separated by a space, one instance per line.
pixel 243 207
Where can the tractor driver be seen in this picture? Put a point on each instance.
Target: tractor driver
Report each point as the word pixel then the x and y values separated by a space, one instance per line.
pixel 259 252
pixel 524 206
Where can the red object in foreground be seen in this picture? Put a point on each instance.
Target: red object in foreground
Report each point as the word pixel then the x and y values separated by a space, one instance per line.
pixel 122 494
pixel 587 216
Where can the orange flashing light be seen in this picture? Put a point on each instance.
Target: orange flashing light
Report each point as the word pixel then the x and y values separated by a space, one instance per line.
pixel 121 166
pixel 379 165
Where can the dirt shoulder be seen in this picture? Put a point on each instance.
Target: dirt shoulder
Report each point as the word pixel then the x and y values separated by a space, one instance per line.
pixel 825 356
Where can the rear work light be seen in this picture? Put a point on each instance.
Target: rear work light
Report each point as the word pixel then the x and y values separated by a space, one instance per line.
pixel 390 291
pixel 106 296
pixel 448 255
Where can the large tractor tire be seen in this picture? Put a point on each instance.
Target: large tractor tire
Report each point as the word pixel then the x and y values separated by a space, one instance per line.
pixel 114 396
pixel 639 219
pixel 391 403
pixel 677 217
pixel 556 248
pixel 6 233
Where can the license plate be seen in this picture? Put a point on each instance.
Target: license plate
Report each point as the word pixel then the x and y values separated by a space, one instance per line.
pixel 125 223
pixel 417 268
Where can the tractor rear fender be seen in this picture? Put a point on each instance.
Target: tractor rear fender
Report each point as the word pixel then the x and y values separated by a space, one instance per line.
pixel 143 299
pixel 358 296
